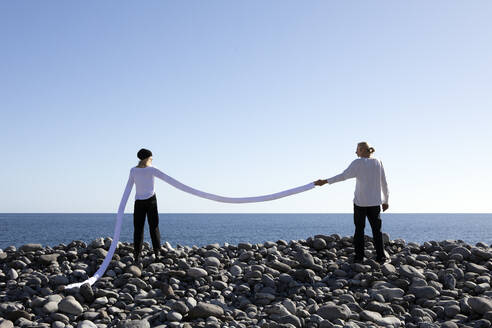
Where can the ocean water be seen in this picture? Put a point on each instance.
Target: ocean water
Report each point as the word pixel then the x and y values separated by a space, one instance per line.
pixel 203 229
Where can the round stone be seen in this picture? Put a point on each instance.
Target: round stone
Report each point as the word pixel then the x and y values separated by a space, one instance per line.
pixel 197 273
pixel 70 305
pixel 236 270
pixel 86 324
pixel 452 310
pixel 174 316
pixel 212 261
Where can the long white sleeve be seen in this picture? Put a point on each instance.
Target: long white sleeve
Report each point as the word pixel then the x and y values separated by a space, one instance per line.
pixel 116 236
pixel 126 193
pixel 350 172
pixel 384 186
pixel 371 188
pixel 175 183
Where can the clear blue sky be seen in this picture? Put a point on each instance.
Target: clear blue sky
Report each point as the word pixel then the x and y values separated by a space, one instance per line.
pixel 244 98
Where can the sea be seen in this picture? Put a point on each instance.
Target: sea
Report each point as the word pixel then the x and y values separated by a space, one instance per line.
pixel 52 229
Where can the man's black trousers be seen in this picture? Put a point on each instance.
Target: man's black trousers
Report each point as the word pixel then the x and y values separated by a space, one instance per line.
pixel 373 215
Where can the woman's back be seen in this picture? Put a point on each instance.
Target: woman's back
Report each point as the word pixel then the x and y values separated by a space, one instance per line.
pixel 143 178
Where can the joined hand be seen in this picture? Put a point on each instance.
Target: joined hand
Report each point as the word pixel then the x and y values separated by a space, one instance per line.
pixel 320 182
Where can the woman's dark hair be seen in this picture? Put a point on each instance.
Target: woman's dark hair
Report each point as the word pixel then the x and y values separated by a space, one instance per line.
pixel 143 154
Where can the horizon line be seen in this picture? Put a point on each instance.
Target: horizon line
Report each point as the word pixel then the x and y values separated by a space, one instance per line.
pixel 245 213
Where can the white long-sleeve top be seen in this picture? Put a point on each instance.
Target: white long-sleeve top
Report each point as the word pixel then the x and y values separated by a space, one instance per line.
pixel 371 188
pixel 143 178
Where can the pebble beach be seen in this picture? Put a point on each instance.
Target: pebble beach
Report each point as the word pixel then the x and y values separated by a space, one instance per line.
pixel 299 283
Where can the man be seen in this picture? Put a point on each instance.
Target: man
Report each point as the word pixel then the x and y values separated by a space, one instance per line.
pixel 371 191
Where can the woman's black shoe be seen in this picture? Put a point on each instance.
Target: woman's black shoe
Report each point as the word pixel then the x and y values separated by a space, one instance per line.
pixel 382 260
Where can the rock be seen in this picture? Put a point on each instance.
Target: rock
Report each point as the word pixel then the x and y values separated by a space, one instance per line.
pixel 246 246
pixel 464 252
pixel 205 310
pixel 289 305
pixel 57 324
pixel 87 293
pixel 481 324
pixel 167 290
pixel 59 317
pixel 31 248
pixel 411 272
pixel 449 324
pixel 305 258
pixel 17 314
pixel 358 267
pixel 138 282
pixel 50 307
pixel 86 324
pixel 264 298
pixel 451 311
pixel 245 256
pixel 134 324
pixel 47 259
pixel 332 312
pixel 389 294
pixel 97 243
pixel 212 261
pixel 388 269
pixel 154 267
pixel 480 304
pixel 481 253
pixel 472 267
pixel 319 244
pixel 220 285
pixel 290 319
pixel 174 316
pixel 427 292
pixel 389 321
pixel 197 273
pixel 449 281
pixel 304 275
pixel 135 271
pixel 277 309
pixel 100 252
pixel 378 307
pixel 23 322
pixel 180 307
pixel 70 305
pixel 13 275
pixel 190 302
pixel 103 301
pixel 91 316
pixel 280 266
pixel 236 270
pixel 6 323
pixel 60 280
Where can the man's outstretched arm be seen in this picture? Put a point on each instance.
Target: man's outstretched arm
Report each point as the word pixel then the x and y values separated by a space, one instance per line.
pixel 349 173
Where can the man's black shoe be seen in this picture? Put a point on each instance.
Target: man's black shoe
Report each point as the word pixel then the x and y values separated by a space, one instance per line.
pixel 358 260
pixel 382 260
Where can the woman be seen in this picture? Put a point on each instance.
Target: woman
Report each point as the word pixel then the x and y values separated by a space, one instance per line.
pixel 145 202
pixel 370 182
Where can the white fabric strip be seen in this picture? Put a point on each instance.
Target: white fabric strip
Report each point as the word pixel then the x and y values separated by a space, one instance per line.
pixel 190 190
pixel 236 200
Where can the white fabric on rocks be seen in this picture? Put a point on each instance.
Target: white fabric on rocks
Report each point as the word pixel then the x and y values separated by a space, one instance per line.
pixel 175 183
